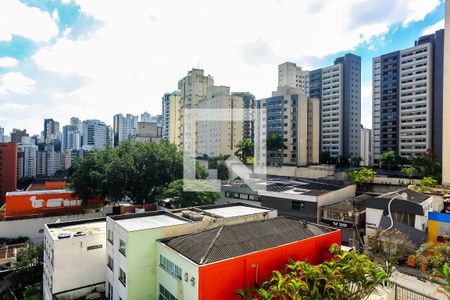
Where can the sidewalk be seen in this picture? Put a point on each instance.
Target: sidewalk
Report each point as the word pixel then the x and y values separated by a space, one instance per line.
pixel 423 287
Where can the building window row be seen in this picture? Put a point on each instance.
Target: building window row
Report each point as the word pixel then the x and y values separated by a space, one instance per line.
pixel 170 267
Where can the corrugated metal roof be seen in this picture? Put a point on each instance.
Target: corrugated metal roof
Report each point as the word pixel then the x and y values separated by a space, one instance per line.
pixel 234 240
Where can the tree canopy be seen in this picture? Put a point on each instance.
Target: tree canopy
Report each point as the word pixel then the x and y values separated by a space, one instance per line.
pixel 246 149
pixel 182 198
pixel 363 175
pixel 388 159
pixel 135 170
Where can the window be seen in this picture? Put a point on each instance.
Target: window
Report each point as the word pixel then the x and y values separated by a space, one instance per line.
pixel 170 267
pixel 298 205
pixel 110 291
pixel 122 277
pixel 110 263
pixel 94 247
pixel 123 248
pixel 164 294
pixel 110 236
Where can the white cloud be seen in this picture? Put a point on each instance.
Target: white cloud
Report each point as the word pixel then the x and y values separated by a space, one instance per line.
pixel 139 53
pixel 433 28
pixel 55 16
pixel 18 107
pixel 7 62
pixel 16 18
pixel 16 83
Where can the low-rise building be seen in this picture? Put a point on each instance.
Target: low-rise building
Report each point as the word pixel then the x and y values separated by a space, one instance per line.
pixel 74 259
pixel 131 242
pixel 214 263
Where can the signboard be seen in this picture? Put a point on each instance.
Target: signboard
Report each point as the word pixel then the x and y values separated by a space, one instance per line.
pixel 338 224
pixel 438 227
pixel 40 202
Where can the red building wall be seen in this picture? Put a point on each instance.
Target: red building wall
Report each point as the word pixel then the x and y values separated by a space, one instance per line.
pixel 8 169
pixel 220 280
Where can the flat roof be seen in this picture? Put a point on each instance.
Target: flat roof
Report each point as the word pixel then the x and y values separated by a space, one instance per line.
pixel 235 211
pixel 41 192
pixel 81 228
pixel 149 222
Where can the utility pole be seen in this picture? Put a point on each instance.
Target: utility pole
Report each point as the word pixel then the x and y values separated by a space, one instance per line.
pixel 354 223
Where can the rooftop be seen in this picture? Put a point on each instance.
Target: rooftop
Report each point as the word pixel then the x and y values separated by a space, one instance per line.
pixel 37 192
pixel 74 229
pixel 149 221
pixel 347 204
pixel 235 211
pixel 234 240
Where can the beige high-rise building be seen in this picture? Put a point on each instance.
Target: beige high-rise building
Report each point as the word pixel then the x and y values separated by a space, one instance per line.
pixel 289 124
pixel 215 134
pixel 193 89
pixel 171 114
pixel 446 104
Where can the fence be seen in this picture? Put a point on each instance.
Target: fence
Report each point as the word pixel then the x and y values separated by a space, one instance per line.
pixel 405 293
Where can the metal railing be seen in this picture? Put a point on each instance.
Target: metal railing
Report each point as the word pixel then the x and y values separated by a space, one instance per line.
pixel 405 293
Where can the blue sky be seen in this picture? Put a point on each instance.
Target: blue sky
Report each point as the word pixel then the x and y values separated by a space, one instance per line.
pixel 92 59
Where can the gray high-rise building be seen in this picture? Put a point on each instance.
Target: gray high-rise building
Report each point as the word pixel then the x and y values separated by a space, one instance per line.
pixel 124 127
pixel 407 99
pixel 338 87
pixel 96 135
pixel 51 131
pixel 71 138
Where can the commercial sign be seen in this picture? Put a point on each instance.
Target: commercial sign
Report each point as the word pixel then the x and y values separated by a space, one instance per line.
pixel 40 202
pixel 338 224
pixel 438 227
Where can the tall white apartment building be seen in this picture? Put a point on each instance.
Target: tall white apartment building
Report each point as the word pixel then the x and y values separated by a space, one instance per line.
pixel 406 87
pixel 193 89
pixel 338 88
pixel 96 134
pixel 171 117
pixel 49 161
pixel 125 127
pixel 27 159
pixel 446 102
pixel 366 147
pixel 221 122
pixel 71 138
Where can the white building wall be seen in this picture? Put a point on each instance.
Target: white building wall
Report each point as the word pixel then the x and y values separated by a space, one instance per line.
pixel 187 287
pixel 332 110
pixel 376 102
pixel 74 266
pixel 415 103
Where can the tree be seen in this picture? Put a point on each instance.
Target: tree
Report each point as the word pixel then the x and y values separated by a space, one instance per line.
pixel 432 256
pixel 274 142
pixel 135 170
pixel 348 275
pixel 427 165
pixel 24 182
pixel 388 247
pixel 28 267
pixel 445 274
pixel 182 198
pixel 427 183
pixel 387 158
pixel 363 175
pixel 222 171
pixel 410 171
pixel 245 149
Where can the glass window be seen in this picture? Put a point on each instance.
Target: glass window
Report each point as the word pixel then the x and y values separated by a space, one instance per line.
pixel 110 291
pixel 170 267
pixel 298 205
pixel 110 263
pixel 164 294
pixel 123 248
pixel 110 236
pixel 122 277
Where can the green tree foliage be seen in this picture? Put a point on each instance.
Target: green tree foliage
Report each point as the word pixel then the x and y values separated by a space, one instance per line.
pixel 388 247
pixel 348 275
pixel 32 293
pixel 427 183
pixel 182 198
pixel 445 274
pixel 135 170
pixel 363 175
pixel 274 142
pixel 433 256
pixel 246 149
pixel 28 267
pixel 427 165
pixel 24 182
pixel 409 171
pixel 222 171
pixel 388 159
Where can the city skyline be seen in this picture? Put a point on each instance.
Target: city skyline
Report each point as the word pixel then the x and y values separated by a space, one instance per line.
pixel 65 67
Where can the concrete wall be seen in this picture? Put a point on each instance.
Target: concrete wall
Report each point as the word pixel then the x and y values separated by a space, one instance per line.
pixel 187 288
pixel 34 228
pixel 321 171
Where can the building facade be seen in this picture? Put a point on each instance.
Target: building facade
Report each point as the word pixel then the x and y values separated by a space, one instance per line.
pixel 96 134
pixel 366 147
pixel 171 117
pixel 27 160
pixel 407 99
pixel 124 127
pixel 338 87
pixel 288 124
pixel 74 259
pixel 220 124
pixel 51 131
pixel 71 138
pixel 8 169
pixel 17 134
pixel 446 103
